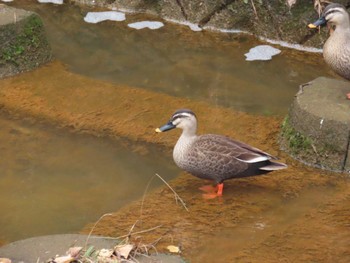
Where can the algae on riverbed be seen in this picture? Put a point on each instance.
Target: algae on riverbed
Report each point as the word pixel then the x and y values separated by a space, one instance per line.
pixel 300 212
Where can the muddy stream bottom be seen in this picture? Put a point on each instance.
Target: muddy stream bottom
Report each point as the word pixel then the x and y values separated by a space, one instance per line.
pixel 300 214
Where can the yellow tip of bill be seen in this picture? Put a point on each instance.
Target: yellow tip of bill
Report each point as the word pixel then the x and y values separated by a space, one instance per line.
pixel 311 25
pixel 158 130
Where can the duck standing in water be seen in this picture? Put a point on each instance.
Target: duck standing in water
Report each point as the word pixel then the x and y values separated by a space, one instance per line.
pixel 336 50
pixel 215 157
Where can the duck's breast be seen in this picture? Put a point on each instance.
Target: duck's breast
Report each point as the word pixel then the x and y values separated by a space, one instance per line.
pixel 336 53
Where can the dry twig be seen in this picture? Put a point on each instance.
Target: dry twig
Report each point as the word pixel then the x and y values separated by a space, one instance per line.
pixel 177 197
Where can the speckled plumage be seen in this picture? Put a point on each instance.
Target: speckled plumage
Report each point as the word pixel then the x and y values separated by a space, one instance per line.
pixel 336 50
pixel 215 157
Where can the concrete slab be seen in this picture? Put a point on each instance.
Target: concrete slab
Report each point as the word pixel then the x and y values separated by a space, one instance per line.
pixel 10 15
pixel 40 249
pixel 317 129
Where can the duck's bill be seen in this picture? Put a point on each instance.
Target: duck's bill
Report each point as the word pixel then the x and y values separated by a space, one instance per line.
pixel 320 22
pixel 166 127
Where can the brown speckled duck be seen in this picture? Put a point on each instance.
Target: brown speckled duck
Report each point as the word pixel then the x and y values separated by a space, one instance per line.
pixel 215 157
pixel 336 50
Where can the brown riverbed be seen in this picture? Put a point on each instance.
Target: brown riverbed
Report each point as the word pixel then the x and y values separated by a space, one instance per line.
pixel 296 215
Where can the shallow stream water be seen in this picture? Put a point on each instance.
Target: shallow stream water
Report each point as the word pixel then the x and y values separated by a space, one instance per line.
pixel 54 181
pixel 203 65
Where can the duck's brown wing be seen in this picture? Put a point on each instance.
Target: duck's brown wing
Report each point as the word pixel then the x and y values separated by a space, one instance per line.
pixel 219 158
pixel 239 150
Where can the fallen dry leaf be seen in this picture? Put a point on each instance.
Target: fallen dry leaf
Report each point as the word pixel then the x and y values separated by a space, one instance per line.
pixel 105 253
pixel 64 259
pixel 74 251
pixel 5 260
pixel 290 3
pixel 173 249
pixel 123 250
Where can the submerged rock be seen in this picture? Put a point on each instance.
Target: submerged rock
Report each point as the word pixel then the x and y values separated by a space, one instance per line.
pixel 23 43
pixel 317 129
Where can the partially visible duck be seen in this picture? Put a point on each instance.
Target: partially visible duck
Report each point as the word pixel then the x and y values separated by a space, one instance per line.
pixel 336 50
pixel 215 157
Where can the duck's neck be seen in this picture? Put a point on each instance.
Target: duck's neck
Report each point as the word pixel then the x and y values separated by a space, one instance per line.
pixel 344 25
pixel 186 138
pixel 183 146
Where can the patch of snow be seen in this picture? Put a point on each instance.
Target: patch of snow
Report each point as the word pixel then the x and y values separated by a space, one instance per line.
pixel 293 46
pixel 262 52
pixel 124 10
pixel 57 2
pixel 146 24
pixel 271 41
pixel 192 26
pixel 96 17
pixel 7 1
pixel 232 31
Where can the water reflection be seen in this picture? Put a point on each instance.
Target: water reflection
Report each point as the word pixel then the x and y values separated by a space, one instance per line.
pixel 177 61
pixel 55 182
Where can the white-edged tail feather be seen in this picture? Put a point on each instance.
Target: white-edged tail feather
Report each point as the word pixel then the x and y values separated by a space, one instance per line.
pixel 256 159
pixel 273 166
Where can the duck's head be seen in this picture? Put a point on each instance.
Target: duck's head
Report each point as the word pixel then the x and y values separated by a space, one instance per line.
pixel 184 119
pixel 334 15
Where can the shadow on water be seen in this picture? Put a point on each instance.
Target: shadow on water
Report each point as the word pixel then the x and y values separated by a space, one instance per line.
pixel 53 181
pixel 175 60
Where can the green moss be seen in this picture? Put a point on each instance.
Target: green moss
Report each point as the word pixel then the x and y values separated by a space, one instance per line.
pixel 295 141
pixel 27 40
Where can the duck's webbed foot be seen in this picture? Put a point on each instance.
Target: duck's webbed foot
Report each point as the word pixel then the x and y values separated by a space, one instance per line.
pixel 212 192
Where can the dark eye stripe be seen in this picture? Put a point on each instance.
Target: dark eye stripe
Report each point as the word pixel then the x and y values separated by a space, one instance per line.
pixel 179 116
pixel 333 10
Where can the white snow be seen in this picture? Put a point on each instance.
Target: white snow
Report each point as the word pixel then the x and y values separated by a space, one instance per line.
pixel 7 1
pixel 58 2
pixel 231 31
pixel 271 41
pixel 192 26
pixel 96 17
pixel 292 46
pixel 262 52
pixel 146 24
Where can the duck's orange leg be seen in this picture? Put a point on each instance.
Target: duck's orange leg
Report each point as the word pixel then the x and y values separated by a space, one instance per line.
pixel 220 189
pixel 215 191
